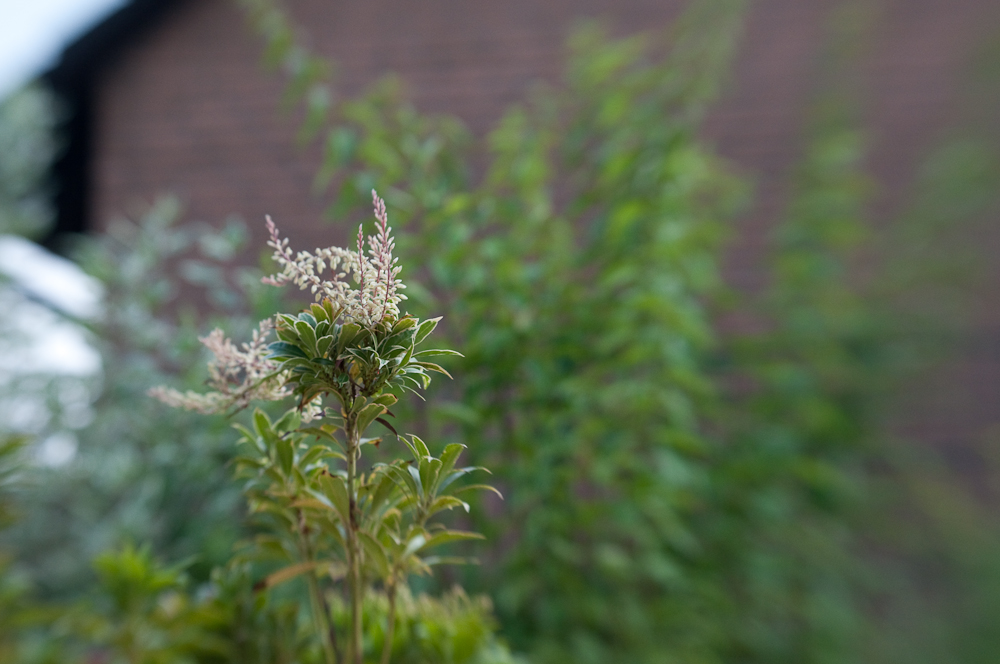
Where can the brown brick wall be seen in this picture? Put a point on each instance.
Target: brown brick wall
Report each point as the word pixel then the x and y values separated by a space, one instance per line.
pixel 190 110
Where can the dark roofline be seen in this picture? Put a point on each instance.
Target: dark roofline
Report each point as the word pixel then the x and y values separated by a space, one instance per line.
pixel 73 80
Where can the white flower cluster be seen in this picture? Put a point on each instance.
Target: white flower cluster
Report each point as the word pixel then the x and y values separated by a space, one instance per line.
pixel 237 377
pixel 377 295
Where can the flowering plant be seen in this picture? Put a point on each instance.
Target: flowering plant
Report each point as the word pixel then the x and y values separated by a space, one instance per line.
pixel 330 520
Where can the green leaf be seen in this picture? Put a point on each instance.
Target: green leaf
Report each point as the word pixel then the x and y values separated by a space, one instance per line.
pixel 430 366
pixel 286 329
pixel 325 432
pixel 404 480
pixel 414 544
pixel 404 323
pixel 479 487
pixel 252 462
pixel 273 547
pixel 287 321
pixel 318 452
pixel 262 424
pixel 290 421
pixel 312 503
pixel 447 503
pixel 438 351
pixel 368 415
pixel 448 458
pixel 323 345
pixel 334 489
pixel 375 552
pixel 319 312
pixel 286 455
pixel 332 312
pixel 454 475
pixel 382 493
pixel 429 469
pixel 251 438
pixel 348 332
pixel 416 485
pixel 419 447
pixel 387 399
pixel 358 404
pixel 448 536
pixel 281 349
pixel 424 329
pixel 308 336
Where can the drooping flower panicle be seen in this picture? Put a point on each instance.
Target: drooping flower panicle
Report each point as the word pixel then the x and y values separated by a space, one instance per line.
pixel 237 376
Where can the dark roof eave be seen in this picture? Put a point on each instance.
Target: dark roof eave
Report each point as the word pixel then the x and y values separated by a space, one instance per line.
pixel 73 79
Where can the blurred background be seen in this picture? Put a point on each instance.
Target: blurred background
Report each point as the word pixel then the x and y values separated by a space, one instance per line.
pixel 724 274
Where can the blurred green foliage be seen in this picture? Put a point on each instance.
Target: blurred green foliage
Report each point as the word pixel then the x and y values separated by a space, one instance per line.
pixel 451 629
pixel 142 472
pixel 142 612
pixel 28 145
pixel 678 491
pixel 678 488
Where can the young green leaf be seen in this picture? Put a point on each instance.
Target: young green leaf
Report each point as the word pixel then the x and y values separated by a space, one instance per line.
pixel 424 329
pixel 368 415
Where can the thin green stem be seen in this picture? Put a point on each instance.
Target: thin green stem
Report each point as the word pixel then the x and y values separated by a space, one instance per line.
pixel 391 627
pixel 320 623
pixel 353 552
pixel 316 604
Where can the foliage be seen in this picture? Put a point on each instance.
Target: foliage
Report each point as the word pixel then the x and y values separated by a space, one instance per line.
pixel 144 615
pixel 677 489
pixel 10 450
pixel 588 315
pixel 676 493
pixel 22 619
pixel 452 629
pixel 140 473
pixel 143 611
pixel 11 592
pixel 327 519
pixel 28 146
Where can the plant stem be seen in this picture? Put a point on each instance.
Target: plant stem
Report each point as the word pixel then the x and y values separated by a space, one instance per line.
pixel 316 603
pixel 320 619
pixel 391 627
pixel 353 552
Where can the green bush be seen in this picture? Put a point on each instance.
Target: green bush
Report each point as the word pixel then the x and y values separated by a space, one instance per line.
pixel 146 613
pixel 678 488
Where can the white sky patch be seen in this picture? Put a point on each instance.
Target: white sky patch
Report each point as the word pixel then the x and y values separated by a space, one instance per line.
pixel 36 340
pixel 49 278
pixel 34 32
pixel 34 337
pixel 44 354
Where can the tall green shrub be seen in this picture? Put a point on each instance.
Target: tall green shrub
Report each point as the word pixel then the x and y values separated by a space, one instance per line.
pixel 675 493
